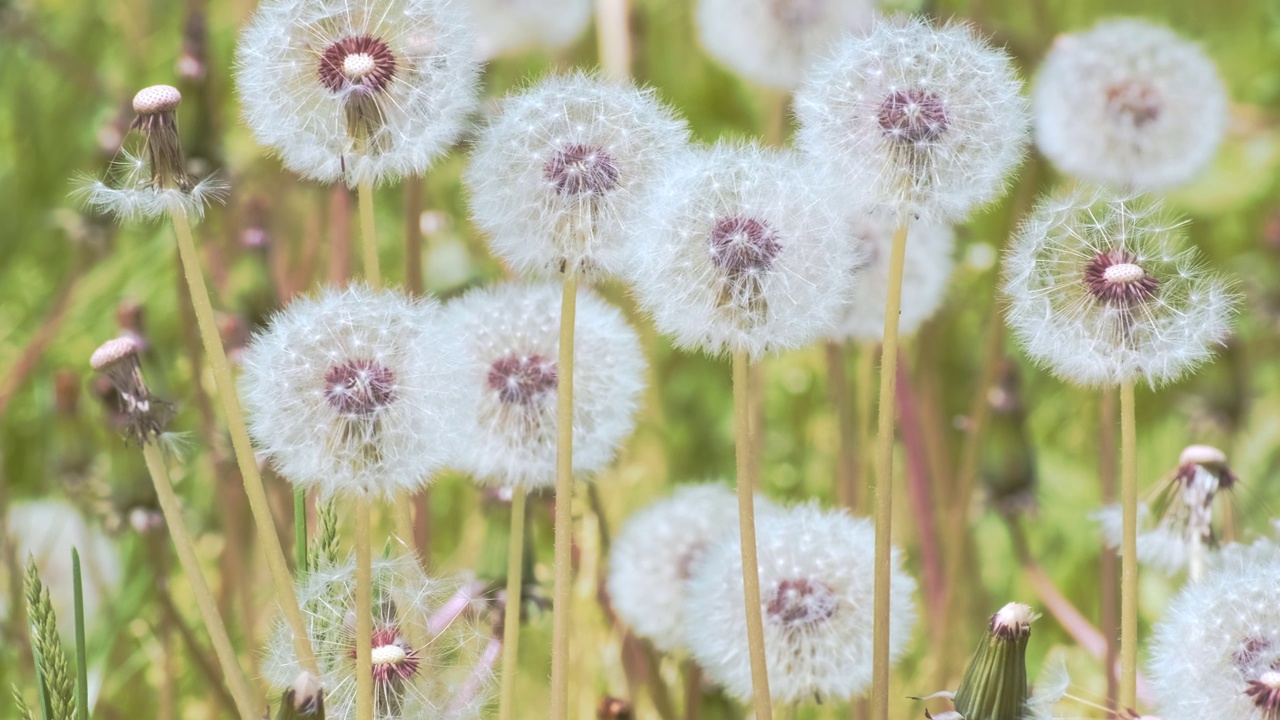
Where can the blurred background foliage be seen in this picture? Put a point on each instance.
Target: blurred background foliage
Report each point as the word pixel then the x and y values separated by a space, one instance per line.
pixel 69 280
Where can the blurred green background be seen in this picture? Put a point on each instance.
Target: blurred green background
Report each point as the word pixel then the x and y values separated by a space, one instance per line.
pixel 69 280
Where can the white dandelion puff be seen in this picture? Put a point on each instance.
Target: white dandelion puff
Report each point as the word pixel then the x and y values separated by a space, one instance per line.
pixel 508 26
pixel 1102 290
pixel 357 90
pixel 740 248
pixel 355 391
pixel 771 42
pixel 510 336
pixel 425 652
pixel 1129 104
pixel 554 174
pixel 1216 652
pixel 815 595
pixel 928 120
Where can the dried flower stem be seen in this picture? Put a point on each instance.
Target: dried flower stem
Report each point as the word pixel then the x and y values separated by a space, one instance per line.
pixel 208 607
pixel 847 436
pixel 747 470
pixel 613 34
pixel 364 609
pixel 564 499
pixel 511 616
pixel 248 463
pixel 1129 550
pixel 884 477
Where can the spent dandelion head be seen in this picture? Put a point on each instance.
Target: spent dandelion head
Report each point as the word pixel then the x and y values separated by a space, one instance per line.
pixel 145 416
pixel 1102 290
pixel 816 592
pixel 359 91
pixel 1129 104
pixel 355 391
pixel 739 249
pixel 509 26
pixel 771 42
pixel 928 120
pixel 553 175
pixel 510 350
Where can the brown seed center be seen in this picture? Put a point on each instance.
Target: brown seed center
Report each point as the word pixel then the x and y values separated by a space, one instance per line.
pixel 1265 691
pixel 1115 278
pixel 522 379
pixel 743 244
pixel 359 388
pixel 801 602
pixel 1134 102
pixel 913 116
pixel 362 63
pixel 581 170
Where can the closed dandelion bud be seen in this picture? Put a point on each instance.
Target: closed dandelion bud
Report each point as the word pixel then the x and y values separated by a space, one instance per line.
pixel 1216 652
pixel 994 686
pixel 510 337
pixel 510 26
pixel 815 594
pixel 1103 290
pixel 359 91
pixel 927 120
pixel 554 174
pixel 355 391
pixel 771 42
pixel 145 416
pixel 421 665
pixel 737 250
pixel 1129 104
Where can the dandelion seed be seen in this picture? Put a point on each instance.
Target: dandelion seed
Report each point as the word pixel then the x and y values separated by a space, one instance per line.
pixel 554 174
pixel 1102 290
pixel 1130 104
pixel 816 595
pixel 359 91
pixel 510 26
pixel 929 121
pixel 511 340
pixel 736 249
pixel 355 391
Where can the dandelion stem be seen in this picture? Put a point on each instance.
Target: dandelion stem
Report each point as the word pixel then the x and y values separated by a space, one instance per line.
pixel 744 436
pixel 364 609
pixel 511 616
pixel 300 530
pixel 1109 614
pixel 846 443
pixel 368 237
pixel 82 656
pixel 613 35
pixel 182 542
pixel 884 477
pixel 1129 550
pixel 564 498
pixel 253 486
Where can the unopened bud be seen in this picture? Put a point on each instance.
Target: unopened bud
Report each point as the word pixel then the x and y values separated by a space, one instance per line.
pixel 995 686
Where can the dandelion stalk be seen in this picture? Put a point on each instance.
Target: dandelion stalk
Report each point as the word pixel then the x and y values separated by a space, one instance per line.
pixel 511 616
pixel 82 656
pixel 1129 550
pixel 747 532
pixel 564 497
pixel 364 609
pixel 1110 601
pixel 248 463
pixel 207 606
pixel 884 477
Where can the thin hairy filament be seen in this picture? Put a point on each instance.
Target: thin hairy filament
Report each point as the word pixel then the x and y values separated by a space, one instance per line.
pixel 564 498
pixel 884 478
pixel 364 609
pixel 614 33
pixel 253 487
pixel 744 437
pixel 511 616
pixel 207 606
pixel 1129 550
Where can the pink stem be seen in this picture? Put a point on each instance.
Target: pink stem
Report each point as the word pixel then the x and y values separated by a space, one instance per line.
pixel 479 676
pixel 458 604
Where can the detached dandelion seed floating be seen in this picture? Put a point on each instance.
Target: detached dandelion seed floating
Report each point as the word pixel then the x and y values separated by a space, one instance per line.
pixel 816 589
pixel 772 42
pixel 1130 104
pixel 509 26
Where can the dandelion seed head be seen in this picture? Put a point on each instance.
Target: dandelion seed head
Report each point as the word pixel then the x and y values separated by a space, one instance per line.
pixel 510 337
pixel 511 26
pixel 927 120
pixel 1130 104
pixel 145 417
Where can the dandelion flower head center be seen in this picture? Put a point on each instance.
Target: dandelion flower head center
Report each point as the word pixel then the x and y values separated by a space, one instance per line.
pixel 581 170
pixel 393 658
pixel 1115 278
pixel 743 245
pixel 796 13
pixel 522 379
pixel 913 116
pixel 357 63
pixel 801 602
pixel 1136 103
pixel 1265 691
pixel 359 388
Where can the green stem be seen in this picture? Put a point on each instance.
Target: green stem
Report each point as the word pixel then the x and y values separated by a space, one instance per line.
pixel 564 499
pixel 300 531
pixel 364 609
pixel 1129 550
pixel 82 656
pixel 511 616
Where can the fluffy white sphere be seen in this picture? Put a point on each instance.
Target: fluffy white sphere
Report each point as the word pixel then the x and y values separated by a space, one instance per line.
pixel 816 570
pixel 928 120
pixel 553 175
pixel 1129 104
pixel 1102 290
pixel 356 391
pixel 357 90
pixel 510 338
pixel 508 26
pixel 925 274
pixel 1217 649
pixel 740 248
pixel 771 42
